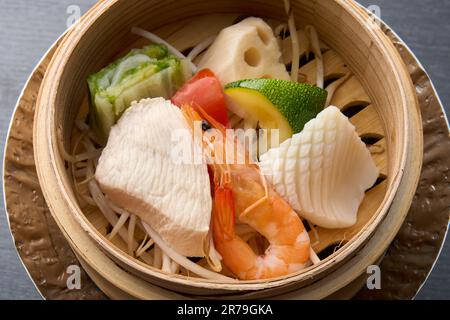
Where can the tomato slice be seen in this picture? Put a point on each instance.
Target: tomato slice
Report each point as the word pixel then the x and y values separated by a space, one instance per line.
pixel 205 91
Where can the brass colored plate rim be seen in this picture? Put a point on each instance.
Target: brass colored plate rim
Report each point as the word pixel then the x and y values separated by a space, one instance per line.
pixel 445 238
pixel 43 294
pixel 22 94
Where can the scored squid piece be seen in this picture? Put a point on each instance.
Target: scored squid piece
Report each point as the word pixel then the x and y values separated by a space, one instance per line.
pixel 324 171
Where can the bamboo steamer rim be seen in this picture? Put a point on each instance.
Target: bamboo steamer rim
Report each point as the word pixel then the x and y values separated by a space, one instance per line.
pixel 49 173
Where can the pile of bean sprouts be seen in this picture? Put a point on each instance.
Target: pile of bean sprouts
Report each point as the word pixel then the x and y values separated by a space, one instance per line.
pixel 144 243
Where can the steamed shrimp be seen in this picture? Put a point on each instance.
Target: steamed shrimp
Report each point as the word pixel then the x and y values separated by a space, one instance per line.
pixel 242 195
pixel 244 198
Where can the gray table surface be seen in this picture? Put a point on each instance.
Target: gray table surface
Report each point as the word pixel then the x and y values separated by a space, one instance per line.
pixel 28 28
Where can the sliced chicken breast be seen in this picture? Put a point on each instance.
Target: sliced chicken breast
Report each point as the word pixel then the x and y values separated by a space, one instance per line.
pixel 139 171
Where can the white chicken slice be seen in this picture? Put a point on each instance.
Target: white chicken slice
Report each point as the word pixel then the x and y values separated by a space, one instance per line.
pixel 323 171
pixel 138 172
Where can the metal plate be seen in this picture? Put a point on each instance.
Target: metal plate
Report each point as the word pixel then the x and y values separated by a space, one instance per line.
pixel 410 258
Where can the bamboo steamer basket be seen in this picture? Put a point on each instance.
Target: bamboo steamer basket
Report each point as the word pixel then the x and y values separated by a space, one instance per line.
pixel 379 82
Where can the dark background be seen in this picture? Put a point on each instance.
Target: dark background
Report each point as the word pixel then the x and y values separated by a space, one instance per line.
pixel 28 28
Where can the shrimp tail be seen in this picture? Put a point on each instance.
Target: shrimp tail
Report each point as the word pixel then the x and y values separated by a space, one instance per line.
pixel 223 215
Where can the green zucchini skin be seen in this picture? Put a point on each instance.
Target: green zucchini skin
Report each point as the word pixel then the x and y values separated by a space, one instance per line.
pixel 297 102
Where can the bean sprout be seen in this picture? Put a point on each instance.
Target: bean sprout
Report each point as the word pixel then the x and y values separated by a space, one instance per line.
pixel 123 218
pixel 182 260
pixel 175 267
pixel 315 46
pixel 202 46
pixel 78 157
pixel 331 89
pixel 295 42
pixel 144 246
pixel 313 256
pixel 280 29
pixel 166 263
pixel 212 256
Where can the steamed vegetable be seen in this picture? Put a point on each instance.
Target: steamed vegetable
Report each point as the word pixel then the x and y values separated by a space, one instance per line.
pixel 278 104
pixel 142 73
pixel 245 50
pixel 204 91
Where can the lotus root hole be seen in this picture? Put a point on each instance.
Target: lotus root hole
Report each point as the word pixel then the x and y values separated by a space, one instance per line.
pixel 252 57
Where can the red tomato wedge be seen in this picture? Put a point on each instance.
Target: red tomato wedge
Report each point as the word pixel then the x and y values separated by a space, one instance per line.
pixel 205 91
